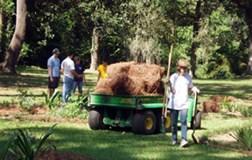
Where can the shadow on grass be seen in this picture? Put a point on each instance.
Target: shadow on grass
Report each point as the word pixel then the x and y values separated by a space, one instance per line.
pixel 114 145
pixel 238 91
pixel 23 81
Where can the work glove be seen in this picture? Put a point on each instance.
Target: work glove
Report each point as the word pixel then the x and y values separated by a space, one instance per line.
pixel 195 90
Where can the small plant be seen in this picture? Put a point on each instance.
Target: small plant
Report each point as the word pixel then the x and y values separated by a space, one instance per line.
pixel 22 145
pixel 5 103
pixel 54 101
pixel 228 106
pixel 246 111
pixel 24 101
pixel 244 136
pixel 71 109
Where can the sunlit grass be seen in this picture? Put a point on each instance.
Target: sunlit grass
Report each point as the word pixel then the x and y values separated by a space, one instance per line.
pixel 114 145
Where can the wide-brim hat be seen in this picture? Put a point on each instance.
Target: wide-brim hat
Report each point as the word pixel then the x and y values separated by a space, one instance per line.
pixel 56 51
pixel 183 63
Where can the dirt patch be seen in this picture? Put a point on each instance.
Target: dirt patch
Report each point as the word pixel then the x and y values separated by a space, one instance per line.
pixel 53 155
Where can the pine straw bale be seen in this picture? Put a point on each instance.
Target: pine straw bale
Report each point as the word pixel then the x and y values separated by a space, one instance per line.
pixel 130 78
pixel 210 106
pixel 103 86
pixel 119 68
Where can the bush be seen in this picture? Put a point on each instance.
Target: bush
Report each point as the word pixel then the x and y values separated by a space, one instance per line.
pixel 71 109
pixel 22 145
pixel 246 111
pixel 244 136
pixel 229 106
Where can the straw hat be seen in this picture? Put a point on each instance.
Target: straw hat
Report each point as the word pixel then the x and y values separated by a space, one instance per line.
pixel 183 63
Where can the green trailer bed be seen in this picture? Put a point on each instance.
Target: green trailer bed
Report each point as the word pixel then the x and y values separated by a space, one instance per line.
pixel 141 113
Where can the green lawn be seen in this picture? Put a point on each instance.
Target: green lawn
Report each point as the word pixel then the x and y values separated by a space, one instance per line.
pixel 114 145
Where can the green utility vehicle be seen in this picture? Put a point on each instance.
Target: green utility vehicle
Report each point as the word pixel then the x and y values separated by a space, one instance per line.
pixel 141 113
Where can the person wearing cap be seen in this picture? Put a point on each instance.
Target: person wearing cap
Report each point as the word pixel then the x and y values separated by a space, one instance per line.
pixel 180 83
pixel 53 65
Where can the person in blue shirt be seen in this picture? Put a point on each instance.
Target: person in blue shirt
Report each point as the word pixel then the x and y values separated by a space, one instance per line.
pixel 53 65
pixel 78 81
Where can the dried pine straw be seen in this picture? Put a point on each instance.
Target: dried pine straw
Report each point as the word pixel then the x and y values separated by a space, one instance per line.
pixel 130 78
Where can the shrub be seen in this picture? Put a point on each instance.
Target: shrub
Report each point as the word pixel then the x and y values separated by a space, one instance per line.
pixel 246 111
pixel 71 109
pixel 244 136
pixel 22 145
pixel 229 106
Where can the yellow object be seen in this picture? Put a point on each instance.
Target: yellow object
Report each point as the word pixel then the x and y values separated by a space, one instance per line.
pixel 102 69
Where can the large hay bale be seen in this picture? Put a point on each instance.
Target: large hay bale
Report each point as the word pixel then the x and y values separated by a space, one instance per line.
pixel 119 68
pixel 130 78
pixel 210 106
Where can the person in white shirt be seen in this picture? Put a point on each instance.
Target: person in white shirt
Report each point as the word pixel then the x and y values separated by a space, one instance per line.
pixel 68 70
pixel 180 83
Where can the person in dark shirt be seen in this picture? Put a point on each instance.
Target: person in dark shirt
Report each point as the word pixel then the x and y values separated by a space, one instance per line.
pixel 78 82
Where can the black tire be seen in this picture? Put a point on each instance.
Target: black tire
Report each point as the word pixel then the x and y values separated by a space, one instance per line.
pixel 196 122
pixel 149 122
pixel 95 119
pixel 166 121
pixel 144 122
pixel 136 123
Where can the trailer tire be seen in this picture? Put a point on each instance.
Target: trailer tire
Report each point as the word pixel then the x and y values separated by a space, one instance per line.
pixel 95 119
pixel 160 121
pixel 136 123
pixel 149 122
pixel 196 123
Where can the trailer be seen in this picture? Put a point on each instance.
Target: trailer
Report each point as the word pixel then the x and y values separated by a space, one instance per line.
pixel 140 113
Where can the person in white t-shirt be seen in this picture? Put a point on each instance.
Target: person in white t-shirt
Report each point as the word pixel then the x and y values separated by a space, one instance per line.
pixel 180 83
pixel 68 70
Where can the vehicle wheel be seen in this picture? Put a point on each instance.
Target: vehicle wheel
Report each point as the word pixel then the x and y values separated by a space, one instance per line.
pixel 136 122
pixel 95 119
pixel 197 120
pixel 149 122
pixel 166 121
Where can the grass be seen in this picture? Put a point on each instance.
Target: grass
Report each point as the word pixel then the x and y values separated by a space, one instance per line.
pixel 239 88
pixel 109 145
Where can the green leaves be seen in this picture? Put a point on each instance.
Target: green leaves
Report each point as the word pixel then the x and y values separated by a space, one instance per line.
pixel 244 135
pixel 25 146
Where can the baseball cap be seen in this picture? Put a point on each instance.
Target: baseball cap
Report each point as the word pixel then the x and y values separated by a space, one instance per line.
pixel 56 50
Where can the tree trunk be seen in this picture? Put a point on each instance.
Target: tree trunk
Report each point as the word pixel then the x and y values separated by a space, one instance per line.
pixel 94 50
pixel 12 54
pixel 1 26
pixel 249 65
pixel 195 34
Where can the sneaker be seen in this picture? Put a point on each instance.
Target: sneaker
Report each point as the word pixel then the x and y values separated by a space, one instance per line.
pixel 174 143
pixel 184 143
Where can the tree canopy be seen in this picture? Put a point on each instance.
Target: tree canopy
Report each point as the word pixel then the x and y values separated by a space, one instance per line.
pixel 215 36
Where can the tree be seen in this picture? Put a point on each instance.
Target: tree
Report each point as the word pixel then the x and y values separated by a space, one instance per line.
pixel 12 54
pixel 1 24
pixel 195 34
pixel 245 8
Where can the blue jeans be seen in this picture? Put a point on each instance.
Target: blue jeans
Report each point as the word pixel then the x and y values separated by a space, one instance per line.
pixel 67 88
pixel 174 123
pixel 78 84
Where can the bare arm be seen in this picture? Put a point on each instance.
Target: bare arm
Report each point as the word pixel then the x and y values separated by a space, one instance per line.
pixel 50 73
